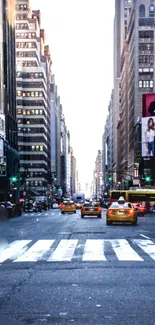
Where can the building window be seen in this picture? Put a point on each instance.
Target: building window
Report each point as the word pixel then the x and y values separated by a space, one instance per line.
pixel 149 59
pixel 146 84
pixel 141 11
pixel 146 34
pixel 151 10
pixel 19 93
pixel 147 48
pixel 41 148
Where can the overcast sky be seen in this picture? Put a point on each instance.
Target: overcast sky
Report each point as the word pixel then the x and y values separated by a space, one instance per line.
pixel 80 35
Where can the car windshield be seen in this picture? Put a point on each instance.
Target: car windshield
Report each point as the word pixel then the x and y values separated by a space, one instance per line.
pixel 92 204
pixel 116 205
pixel 68 202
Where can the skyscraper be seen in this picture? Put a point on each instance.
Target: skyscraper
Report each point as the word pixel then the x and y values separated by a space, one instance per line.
pixel 8 123
pixel 33 101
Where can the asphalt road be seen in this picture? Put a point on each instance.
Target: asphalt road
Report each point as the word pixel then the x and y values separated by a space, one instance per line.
pixel 61 269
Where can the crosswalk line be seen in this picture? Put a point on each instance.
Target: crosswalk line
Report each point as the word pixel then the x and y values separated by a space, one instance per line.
pixel 124 251
pixel 34 253
pixel 13 249
pixel 147 246
pixel 64 251
pixel 94 250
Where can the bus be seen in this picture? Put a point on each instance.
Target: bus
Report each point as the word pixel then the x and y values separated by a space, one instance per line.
pixel 134 196
pixel 78 197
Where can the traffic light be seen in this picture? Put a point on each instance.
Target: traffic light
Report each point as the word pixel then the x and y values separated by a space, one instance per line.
pixel 147 178
pixel 13 179
pixel 109 177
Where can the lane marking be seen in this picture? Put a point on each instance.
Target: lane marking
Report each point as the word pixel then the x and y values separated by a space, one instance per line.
pixel 147 246
pixel 34 253
pixel 13 249
pixel 124 251
pixel 145 236
pixel 94 250
pixel 64 251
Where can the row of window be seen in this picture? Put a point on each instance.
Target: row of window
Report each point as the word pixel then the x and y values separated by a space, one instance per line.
pixel 23 102
pixel 27 64
pixel 28 35
pixel 146 83
pixel 22 7
pixel 146 34
pixel 26 45
pixel 31 121
pixel 32 148
pixel 31 130
pixel 142 10
pixel 37 139
pixel 21 17
pixel 29 111
pixel 21 93
pixel 33 157
pixel 34 183
pixel 22 26
pixel 36 174
pixel 28 75
pixel 145 22
pixel 146 47
pixel 146 59
pixel 146 72
pixel 30 84
pixel 23 54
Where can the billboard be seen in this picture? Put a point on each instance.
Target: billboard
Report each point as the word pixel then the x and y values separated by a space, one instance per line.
pixel 2 126
pixel 148 136
pixel 148 105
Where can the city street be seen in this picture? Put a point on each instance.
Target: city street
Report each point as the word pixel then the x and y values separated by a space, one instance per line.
pixel 61 269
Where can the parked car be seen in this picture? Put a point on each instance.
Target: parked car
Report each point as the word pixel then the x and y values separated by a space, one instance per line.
pixel 28 206
pixel 10 207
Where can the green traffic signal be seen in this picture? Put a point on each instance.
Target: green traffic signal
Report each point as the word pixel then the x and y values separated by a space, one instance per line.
pixel 13 179
pixel 109 178
pixel 147 178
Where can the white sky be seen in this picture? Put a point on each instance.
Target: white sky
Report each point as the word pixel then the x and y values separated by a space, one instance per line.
pixel 80 36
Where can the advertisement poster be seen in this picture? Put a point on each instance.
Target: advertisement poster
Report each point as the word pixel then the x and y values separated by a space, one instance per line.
pixel 148 105
pixel 148 136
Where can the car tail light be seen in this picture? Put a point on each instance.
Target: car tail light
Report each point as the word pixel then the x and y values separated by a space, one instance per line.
pixel 62 205
pixel 110 211
pixel 130 211
pixel 141 208
pixel 99 209
pixel 83 209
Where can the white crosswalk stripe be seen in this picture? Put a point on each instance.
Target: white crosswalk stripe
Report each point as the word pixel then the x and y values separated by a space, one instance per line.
pixel 73 249
pixel 64 251
pixel 13 249
pixel 124 251
pixel 94 250
pixel 147 245
pixel 36 251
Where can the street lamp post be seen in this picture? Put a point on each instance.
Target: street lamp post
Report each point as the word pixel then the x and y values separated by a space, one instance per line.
pixel 96 185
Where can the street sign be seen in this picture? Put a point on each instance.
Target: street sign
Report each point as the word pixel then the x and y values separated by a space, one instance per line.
pixel 3 171
pixel 136 181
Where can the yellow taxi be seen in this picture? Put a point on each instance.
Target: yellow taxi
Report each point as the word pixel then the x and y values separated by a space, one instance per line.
pixel 91 209
pixel 68 206
pixel 121 212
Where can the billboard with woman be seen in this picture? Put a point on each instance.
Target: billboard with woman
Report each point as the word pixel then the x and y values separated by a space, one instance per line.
pixel 148 136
